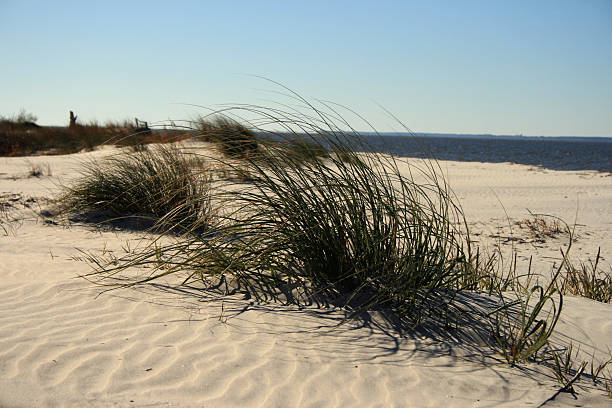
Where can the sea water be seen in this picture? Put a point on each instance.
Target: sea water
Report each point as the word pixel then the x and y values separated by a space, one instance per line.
pixel 555 153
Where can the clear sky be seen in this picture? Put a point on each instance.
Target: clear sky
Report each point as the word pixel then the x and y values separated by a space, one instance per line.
pixel 503 67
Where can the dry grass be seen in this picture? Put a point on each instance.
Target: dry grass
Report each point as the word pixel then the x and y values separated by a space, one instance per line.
pixel 586 281
pixel 39 170
pixel 541 226
pixel 5 220
pixel 8 221
pixel 19 137
pixel 569 369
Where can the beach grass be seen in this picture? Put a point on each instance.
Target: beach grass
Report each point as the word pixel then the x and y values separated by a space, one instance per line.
pixel 586 280
pixel 10 221
pixel 569 368
pixel 303 149
pixel 523 326
pixel 348 226
pixel 543 226
pixel 345 225
pixel 5 220
pixel 161 183
pixel 235 140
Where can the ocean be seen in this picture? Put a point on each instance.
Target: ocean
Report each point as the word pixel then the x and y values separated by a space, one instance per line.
pixel 555 153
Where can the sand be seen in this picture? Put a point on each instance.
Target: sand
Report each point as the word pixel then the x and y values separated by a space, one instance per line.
pixel 63 345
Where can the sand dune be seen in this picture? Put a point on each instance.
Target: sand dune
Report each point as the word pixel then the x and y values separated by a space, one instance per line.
pixel 63 345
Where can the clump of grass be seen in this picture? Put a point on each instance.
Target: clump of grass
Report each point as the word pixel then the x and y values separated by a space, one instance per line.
pixel 162 183
pixel 564 370
pixel 39 170
pixel 346 156
pixel 542 226
pixel 563 363
pixel 8 222
pixel 598 374
pixel 305 149
pixel 5 221
pixel 489 274
pixel 351 227
pixel 586 281
pixel 234 139
pixel 521 328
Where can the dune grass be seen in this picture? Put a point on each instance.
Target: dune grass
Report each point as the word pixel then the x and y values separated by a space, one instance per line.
pixel 235 140
pixel 161 183
pixel 39 170
pixel 586 280
pixel 5 220
pixel 10 220
pixel 569 368
pixel 523 326
pixel 542 226
pixel 302 149
pixel 350 227
pixel 347 226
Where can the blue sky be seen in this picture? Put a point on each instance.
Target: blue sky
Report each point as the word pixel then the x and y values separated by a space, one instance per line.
pixel 530 67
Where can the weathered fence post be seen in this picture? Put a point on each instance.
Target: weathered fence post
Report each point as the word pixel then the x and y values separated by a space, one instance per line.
pixel 142 127
pixel 141 124
pixel 73 119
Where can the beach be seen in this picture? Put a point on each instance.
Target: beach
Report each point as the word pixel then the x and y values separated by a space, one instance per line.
pixel 63 343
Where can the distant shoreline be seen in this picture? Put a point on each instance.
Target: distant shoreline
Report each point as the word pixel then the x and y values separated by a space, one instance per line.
pixel 607 139
pixel 604 139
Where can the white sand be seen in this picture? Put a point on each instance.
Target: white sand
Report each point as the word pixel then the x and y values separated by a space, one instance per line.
pixel 60 345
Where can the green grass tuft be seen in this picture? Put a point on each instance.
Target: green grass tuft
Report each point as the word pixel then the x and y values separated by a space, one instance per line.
pixel 586 281
pixel 160 183
pixel 235 140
